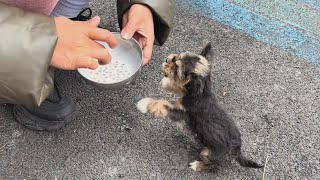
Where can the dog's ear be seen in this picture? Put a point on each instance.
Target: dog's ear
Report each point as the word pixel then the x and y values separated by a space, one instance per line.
pixel 206 51
pixel 195 84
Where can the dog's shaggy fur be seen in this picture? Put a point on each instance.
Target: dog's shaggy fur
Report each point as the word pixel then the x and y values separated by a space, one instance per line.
pixel 188 75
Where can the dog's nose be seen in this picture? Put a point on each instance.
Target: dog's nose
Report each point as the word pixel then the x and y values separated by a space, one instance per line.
pixel 167 60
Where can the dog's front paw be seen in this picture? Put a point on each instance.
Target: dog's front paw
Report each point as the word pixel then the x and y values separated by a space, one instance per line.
pixel 158 108
pixel 143 104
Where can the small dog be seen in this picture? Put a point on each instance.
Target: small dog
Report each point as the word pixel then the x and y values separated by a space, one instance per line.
pixel 188 75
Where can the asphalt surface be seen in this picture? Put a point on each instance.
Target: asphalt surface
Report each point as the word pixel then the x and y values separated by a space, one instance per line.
pixel 273 97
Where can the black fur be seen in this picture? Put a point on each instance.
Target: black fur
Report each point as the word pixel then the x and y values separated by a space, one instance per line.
pixel 188 75
pixel 210 123
pixel 206 51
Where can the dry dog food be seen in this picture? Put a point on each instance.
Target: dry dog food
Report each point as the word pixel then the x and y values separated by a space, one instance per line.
pixel 110 73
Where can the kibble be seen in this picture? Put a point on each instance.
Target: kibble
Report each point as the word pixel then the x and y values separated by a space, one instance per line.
pixel 110 73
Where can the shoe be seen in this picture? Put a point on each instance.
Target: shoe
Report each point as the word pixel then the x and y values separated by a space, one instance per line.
pixel 82 17
pixel 55 112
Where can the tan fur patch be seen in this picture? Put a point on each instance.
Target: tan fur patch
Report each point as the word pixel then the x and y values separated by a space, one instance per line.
pixel 181 125
pixel 203 61
pixel 179 63
pixel 171 56
pixel 159 108
pixel 183 55
pixel 167 68
pixel 179 105
pixel 204 155
pixel 202 68
pixel 176 87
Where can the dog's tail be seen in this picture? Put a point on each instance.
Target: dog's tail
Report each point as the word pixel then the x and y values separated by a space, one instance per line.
pixel 243 161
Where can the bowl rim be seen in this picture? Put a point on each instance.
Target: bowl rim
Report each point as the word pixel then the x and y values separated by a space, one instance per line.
pixel 129 78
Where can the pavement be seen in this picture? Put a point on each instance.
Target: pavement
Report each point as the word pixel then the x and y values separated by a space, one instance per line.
pixel 273 96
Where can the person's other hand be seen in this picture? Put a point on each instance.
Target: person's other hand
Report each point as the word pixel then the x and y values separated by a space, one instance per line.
pixel 137 22
pixel 77 46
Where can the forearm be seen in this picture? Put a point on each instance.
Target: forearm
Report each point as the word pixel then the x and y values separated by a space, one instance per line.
pixel 27 44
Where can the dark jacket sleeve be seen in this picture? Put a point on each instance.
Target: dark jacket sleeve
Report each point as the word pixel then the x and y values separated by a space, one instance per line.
pixel 163 11
pixel 26 47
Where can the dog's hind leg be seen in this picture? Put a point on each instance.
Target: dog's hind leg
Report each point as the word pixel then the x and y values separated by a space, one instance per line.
pixel 204 163
pixel 204 155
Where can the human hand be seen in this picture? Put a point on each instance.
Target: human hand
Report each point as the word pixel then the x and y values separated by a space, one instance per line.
pixel 77 46
pixel 137 22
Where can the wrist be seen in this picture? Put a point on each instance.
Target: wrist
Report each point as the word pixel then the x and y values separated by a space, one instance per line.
pixel 142 8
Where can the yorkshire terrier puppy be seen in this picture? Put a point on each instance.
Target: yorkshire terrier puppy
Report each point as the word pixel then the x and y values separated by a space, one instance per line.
pixel 188 75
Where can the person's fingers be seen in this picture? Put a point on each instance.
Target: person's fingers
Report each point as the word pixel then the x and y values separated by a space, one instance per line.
pixel 95 45
pixel 147 52
pixel 129 29
pixel 85 62
pixel 95 21
pixel 104 35
pixel 101 54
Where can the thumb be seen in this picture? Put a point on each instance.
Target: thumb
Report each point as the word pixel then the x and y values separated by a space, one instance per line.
pixel 129 29
pixel 95 21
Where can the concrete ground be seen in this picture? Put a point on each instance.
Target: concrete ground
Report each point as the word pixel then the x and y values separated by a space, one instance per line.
pixel 273 97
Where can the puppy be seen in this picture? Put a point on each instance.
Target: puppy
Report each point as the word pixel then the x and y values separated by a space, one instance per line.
pixel 188 75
